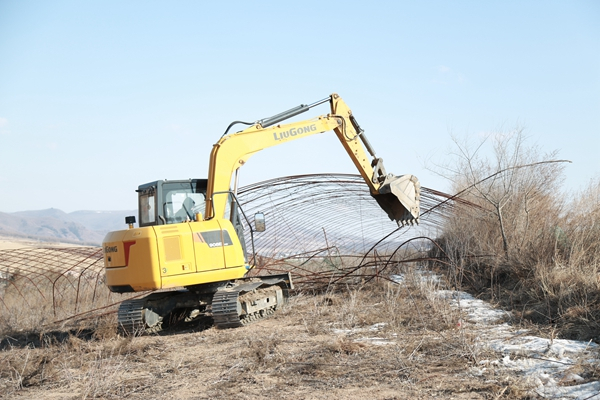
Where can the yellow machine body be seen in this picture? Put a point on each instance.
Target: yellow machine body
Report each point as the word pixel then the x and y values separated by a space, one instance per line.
pixel 175 255
pixel 165 252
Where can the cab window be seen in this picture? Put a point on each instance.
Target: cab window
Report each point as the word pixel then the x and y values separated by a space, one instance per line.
pixel 182 202
pixel 147 209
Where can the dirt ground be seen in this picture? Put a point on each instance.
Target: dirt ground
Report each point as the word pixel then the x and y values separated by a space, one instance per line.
pixel 375 343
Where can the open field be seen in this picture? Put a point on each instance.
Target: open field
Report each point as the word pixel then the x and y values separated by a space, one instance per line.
pixel 366 319
pixel 387 339
pixel 8 243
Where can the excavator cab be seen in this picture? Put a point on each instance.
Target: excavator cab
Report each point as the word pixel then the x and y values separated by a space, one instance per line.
pixel 174 201
pixel 170 202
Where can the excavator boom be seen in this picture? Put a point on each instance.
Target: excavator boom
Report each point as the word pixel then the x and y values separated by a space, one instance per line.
pixel 175 246
pixel 399 196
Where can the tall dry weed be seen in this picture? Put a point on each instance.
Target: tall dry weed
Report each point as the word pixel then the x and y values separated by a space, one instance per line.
pixel 521 242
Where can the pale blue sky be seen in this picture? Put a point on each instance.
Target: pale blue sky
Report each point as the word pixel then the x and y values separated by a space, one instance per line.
pixel 99 97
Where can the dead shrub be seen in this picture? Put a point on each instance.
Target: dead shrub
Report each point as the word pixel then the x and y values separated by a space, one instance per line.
pixel 343 345
pixel 263 351
pixel 520 242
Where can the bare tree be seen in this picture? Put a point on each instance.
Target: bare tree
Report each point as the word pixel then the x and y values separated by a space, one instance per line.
pixel 535 247
pixel 513 184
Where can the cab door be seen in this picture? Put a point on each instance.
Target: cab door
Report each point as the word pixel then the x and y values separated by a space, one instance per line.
pixel 209 242
pixel 232 247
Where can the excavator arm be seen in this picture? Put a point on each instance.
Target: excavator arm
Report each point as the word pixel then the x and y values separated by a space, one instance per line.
pixel 398 196
pixel 205 256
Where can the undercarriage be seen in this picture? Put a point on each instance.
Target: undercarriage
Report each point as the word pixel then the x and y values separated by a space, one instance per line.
pixel 230 304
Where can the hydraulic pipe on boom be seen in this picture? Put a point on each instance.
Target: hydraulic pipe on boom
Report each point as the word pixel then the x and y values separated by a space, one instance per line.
pixel 399 196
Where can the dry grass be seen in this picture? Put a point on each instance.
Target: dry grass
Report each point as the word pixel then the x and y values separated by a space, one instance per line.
pixel 39 286
pixel 383 340
pixel 526 245
pixel 27 304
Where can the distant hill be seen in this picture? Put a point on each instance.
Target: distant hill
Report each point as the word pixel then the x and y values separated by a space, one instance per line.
pixel 84 227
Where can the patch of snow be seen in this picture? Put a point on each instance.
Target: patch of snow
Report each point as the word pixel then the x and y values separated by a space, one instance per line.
pixel 533 345
pixel 545 363
pixel 378 326
pixel 373 328
pixel 424 275
pixel 586 391
pixel 477 311
pixel 377 341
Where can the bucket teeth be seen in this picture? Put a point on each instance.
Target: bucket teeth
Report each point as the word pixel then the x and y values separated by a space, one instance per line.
pixel 399 197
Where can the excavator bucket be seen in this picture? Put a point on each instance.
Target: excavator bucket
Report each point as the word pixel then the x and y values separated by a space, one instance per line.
pixel 400 197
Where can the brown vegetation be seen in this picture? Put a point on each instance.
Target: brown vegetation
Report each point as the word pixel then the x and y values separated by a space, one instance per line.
pixel 525 244
pixel 381 340
pixel 348 332
pixel 43 286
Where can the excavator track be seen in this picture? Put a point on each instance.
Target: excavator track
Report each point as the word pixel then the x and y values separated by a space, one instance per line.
pixel 232 308
pixel 132 318
pixel 225 309
pixel 233 305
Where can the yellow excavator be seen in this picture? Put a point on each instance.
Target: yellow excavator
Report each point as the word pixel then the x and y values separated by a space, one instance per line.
pixel 189 248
